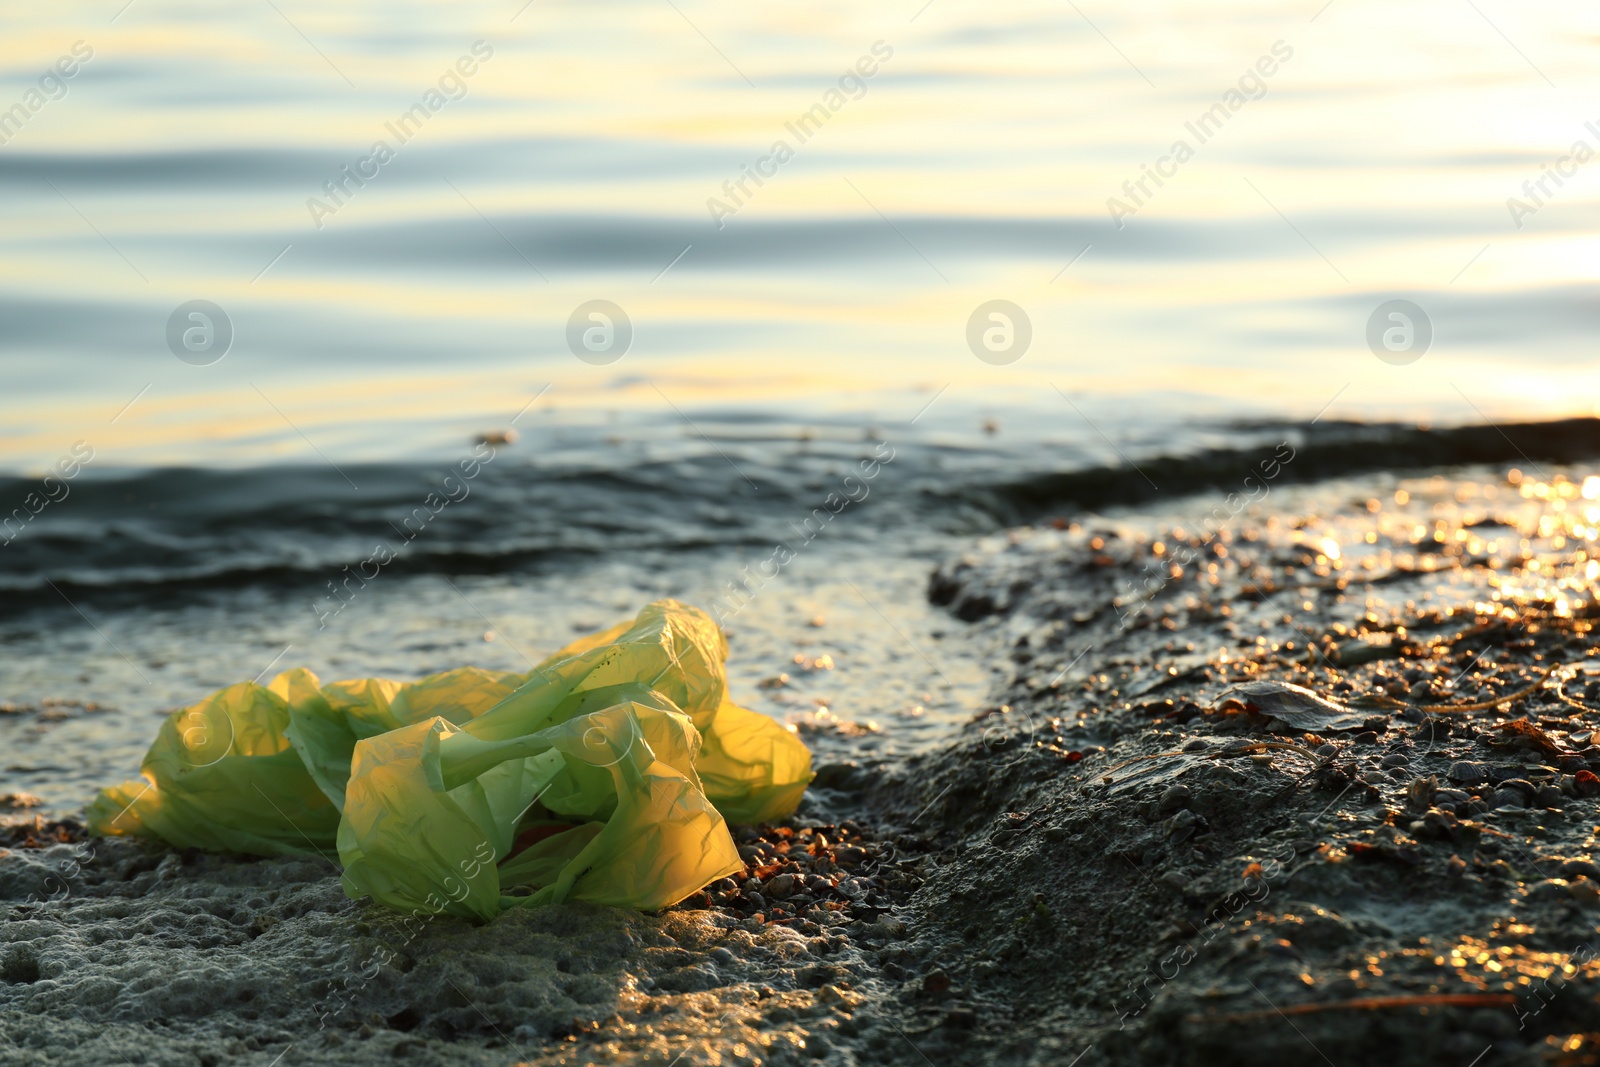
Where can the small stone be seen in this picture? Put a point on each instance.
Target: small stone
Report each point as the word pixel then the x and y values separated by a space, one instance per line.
pixel 935 982
pixel 1395 759
pixel 780 886
pixel 1466 772
pixel 1550 889
pixel 1548 796
pixel 1199 744
pixel 1175 797
pixel 1580 868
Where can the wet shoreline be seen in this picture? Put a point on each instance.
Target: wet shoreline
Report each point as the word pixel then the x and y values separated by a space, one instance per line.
pixel 1127 854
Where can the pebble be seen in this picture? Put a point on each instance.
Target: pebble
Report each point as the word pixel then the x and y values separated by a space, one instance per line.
pixel 1580 868
pixel 780 885
pixel 1465 772
pixel 1175 797
pixel 1550 889
pixel 1395 759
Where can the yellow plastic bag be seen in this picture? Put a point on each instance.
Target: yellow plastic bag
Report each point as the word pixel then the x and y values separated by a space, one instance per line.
pixel 604 774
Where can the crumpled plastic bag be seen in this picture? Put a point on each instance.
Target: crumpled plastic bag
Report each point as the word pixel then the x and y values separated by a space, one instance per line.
pixel 605 774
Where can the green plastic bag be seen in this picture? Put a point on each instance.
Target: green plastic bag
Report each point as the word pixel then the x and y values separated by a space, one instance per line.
pixel 604 774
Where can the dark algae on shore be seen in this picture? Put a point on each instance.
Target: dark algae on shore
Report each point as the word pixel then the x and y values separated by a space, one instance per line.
pixel 1319 781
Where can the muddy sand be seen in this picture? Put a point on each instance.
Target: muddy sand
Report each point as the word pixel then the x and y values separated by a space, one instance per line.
pixel 1321 785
